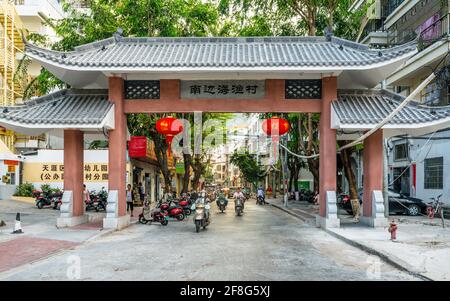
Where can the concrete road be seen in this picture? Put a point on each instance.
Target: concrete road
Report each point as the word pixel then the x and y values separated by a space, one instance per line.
pixel 263 244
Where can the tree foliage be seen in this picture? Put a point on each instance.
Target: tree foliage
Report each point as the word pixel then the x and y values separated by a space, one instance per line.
pixel 248 166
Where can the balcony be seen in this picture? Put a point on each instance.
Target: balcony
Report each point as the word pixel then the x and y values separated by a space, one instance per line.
pixel 428 33
pixel 392 5
pixel 434 43
pixel 51 9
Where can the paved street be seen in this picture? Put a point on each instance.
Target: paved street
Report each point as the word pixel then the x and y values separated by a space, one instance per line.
pixel 264 244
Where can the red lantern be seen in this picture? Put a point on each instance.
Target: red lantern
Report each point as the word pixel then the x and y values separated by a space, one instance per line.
pixel 275 127
pixel 169 127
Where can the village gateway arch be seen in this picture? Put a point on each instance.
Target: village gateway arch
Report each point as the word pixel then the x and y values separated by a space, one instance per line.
pixel 120 75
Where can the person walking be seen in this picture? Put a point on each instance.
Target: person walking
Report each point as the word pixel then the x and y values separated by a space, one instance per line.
pixel 130 199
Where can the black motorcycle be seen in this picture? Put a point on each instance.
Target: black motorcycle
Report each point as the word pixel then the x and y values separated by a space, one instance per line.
pixel 102 200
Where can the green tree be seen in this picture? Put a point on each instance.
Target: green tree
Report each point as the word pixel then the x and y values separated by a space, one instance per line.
pixel 248 166
pixel 137 18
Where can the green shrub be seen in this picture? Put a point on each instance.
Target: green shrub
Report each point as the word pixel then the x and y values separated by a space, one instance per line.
pixel 25 189
pixel 46 188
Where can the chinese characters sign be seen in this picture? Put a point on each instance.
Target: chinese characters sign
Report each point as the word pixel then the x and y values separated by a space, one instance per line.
pixel 220 89
pixel 54 172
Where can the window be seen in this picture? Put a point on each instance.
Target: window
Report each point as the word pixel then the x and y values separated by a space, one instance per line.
pixel 12 178
pixel 434 173
pixel 401 151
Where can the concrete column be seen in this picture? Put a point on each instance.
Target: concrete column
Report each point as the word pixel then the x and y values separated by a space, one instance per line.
pixel 373 201
pixel 327 169
pixel 116 211
pixel 72 207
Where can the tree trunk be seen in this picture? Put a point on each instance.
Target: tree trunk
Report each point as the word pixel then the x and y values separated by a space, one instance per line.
pixel 161 156
pixel 350 175
pixel 187 158
pixel 198 169
pixel 313 166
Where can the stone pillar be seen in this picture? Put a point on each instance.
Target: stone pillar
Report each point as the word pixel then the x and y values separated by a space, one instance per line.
pixel 373 202
pixel 72 207
pixel 327 170
pixel 116 216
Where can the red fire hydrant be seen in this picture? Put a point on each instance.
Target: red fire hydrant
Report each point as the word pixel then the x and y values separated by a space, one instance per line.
pixel 393 230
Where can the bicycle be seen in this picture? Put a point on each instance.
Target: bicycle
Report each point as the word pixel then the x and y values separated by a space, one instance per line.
pixel 435 208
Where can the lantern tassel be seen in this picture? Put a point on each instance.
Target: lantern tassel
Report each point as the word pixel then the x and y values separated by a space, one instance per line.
pixel 275 140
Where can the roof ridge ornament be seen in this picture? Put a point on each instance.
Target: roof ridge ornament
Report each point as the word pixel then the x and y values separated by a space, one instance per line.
pixel 118 34
pixel 328 33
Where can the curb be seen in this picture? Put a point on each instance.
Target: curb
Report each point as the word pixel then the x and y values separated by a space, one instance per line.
pixel 392 260
pixel 102 232
pixel 302 218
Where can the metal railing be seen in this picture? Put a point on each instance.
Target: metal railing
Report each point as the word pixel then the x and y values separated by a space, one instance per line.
pixel 434 32
pixel 426 36
pixel 391 5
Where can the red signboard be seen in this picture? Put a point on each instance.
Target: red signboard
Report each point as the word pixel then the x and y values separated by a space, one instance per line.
pixel 11 162
pixel 137 147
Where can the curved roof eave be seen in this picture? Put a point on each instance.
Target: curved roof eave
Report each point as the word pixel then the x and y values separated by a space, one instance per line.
pixel 209 55
pixel 94 77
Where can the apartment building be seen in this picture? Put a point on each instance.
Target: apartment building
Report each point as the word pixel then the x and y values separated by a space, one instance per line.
pixel 417 165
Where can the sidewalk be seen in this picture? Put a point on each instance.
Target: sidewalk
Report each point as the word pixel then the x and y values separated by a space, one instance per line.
pixel 302 210
pixel 41 238
pixel 422 247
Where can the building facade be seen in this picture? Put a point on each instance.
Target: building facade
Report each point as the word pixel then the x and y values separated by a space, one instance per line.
pixel 417 165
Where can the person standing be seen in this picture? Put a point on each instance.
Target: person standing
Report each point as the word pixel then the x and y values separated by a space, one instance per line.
pixel 129 199
pixel 86 196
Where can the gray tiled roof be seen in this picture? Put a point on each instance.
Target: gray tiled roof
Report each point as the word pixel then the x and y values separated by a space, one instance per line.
pixel 371 107
pixel 65 107
pixel 225 53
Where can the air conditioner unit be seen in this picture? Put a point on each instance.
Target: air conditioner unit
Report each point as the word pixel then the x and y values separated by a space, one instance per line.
pixel 374 10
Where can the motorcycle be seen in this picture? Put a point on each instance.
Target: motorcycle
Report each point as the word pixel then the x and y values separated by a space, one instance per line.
pixel 260 200
pixel 91 204
pixel 222 203
pixel 172 210
pixel 247 194
pixel 153 215
pixel 201 217
pixel 47 198
pixel 184 203
pixel 239 206
pixel 102 200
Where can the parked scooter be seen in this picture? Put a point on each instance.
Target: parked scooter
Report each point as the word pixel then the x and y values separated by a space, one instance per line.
pixel 239 206
pixel 153 215
pixel 47 198
pixel 102 200
pixel 91 204
pixel 202 216
pixel 172 210
pixel 184 203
